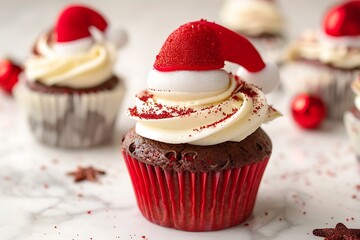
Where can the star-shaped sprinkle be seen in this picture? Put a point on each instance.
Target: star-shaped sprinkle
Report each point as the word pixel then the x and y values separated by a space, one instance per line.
pixel 340 232
pixel 86 174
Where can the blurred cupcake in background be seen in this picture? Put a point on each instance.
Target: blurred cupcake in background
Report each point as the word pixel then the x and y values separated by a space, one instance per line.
pixel 261 21
pixel 69 91
pixel 352 119
pixel 325 62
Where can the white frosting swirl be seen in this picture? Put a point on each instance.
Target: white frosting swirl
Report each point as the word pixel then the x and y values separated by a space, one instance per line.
pixel 198 119
pixel 312 47
pixel 81 70
pixel 253 17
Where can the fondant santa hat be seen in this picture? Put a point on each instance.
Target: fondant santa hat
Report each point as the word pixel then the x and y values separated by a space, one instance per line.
pixel 74 30
pixel 341 24
pixel 192 58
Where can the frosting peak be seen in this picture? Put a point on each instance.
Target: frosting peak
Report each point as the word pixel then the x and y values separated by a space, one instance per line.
pixel 80 70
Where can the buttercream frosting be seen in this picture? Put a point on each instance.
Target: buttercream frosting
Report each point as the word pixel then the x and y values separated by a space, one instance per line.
pixel 79 70
pixel 312 46
pixel 253 17
pixel 202 119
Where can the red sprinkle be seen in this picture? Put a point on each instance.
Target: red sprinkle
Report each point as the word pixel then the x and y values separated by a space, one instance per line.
pixel 168 113
pixel 236 98
pixel 219 121
pixel 145 97
pixel 249 92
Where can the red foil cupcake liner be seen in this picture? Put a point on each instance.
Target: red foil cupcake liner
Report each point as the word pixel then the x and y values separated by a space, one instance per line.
pixel 195 201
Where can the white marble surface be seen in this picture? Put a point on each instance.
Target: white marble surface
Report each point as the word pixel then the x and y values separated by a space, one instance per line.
pixel 311 180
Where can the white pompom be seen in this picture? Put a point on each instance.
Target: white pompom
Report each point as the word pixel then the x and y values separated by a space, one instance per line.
pixel 116 35
pixel 267 79
pixel 73 47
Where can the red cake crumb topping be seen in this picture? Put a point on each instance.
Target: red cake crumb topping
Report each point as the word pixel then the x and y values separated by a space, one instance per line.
pixel 214 124
pixel 236 98
pixel 249 92
pixel 152 113
pixel 145 96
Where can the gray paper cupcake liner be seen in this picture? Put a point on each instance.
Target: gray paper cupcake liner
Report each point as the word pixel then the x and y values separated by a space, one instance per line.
pixel 332 85
pixel 71 120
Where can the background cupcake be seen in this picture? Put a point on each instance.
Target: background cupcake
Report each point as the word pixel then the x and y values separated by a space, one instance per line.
pixel 261 21
pixel 69 92
pixel 352 120
pixel 324 63
pixel 197 153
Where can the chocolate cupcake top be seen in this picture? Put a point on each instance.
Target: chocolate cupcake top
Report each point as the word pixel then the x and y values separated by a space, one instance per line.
pixel 253 18
pixel 78 53
pixel 190 99
pixel 187 157
pixel 337 44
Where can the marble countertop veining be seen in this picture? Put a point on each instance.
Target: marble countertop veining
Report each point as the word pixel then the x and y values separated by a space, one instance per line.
pixel 312 180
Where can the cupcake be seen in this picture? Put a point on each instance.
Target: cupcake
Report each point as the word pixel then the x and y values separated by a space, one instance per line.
pixel 324 63
pixel 261 21
pixel 197 153
pixel 68 91
pixel 352 119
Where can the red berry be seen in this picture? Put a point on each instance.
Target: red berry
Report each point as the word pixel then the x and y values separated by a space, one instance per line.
pixel 9 75
pixel 308 111
pixel 5 69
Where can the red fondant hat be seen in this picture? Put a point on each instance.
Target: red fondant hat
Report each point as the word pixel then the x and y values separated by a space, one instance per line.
pixel 74 22
pixel 203 45
pixel 343 20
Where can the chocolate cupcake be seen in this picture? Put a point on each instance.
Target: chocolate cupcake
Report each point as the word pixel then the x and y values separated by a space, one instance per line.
pixel 261 21
pixel 197 153
pixel 324 63
pixel 68 90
